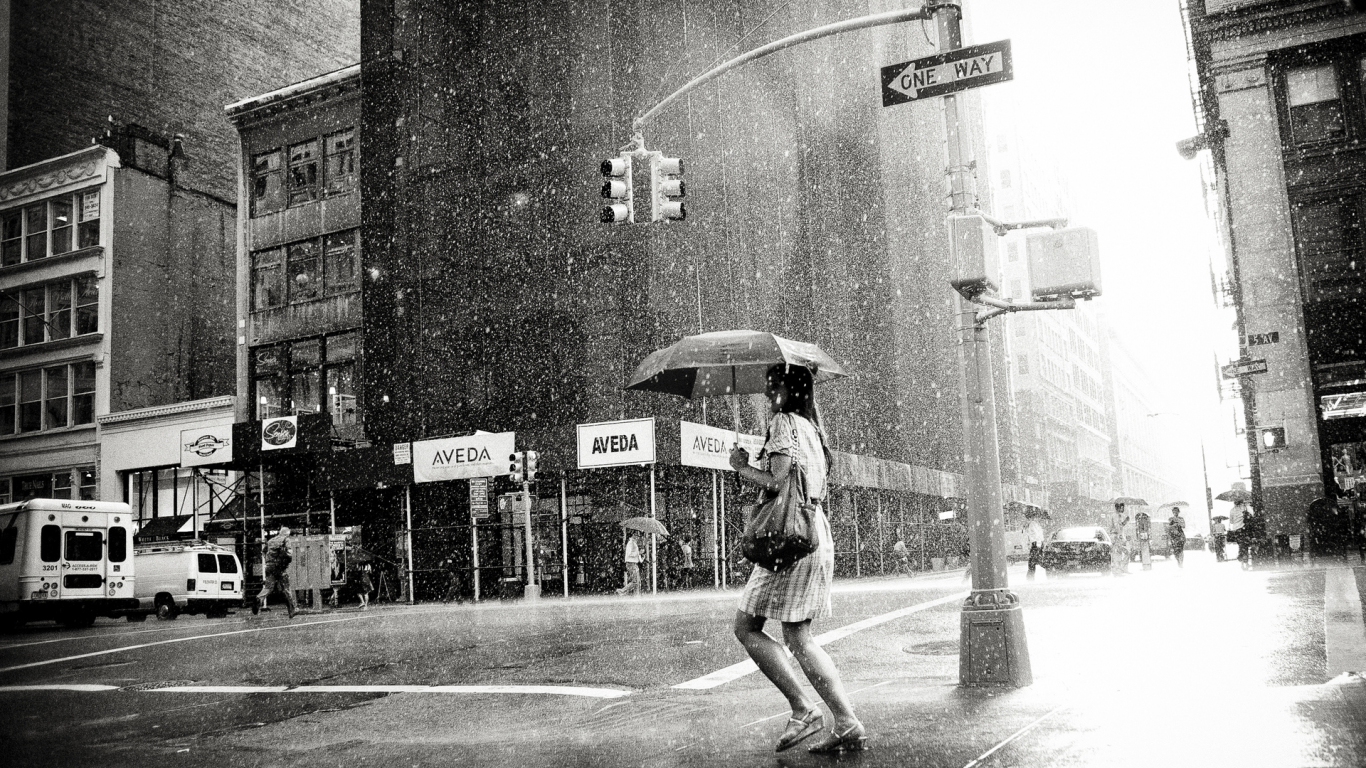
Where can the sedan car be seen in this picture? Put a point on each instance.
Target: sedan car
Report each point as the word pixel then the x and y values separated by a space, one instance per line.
pixel 1074 550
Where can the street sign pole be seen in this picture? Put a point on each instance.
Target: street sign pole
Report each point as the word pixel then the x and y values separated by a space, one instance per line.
pixel 992 645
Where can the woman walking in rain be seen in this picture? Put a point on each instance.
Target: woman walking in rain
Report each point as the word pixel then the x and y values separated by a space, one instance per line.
pixel 800 593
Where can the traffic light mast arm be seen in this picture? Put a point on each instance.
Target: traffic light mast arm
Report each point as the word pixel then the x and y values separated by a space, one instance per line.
pixel 924 13
pixel 1003 227
pixel 1002 306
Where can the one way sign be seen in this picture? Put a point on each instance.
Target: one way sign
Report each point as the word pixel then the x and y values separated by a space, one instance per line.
pixel 956 70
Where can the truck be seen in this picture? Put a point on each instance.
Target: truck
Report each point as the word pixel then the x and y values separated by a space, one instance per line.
pixel 176 577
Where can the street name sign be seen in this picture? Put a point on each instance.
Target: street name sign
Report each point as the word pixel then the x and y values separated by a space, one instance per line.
pixel 949 72
pixel 1243 367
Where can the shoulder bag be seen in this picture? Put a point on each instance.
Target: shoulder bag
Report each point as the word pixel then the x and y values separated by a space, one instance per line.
pixel 782 528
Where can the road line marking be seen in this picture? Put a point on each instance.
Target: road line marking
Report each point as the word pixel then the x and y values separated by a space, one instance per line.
pixel 1015 736
pixel 789 713
pixel 67 687
pixel 177 640
pixel 737 671
pixel 553 690
pixel 1344 634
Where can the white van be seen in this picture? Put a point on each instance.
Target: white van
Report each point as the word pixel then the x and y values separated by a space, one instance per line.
pixel 176 577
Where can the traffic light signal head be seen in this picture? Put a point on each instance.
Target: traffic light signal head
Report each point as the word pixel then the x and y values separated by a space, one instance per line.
pixel 515 467
pixel 664 186
pixel 532 458
pixel 1064 262
pixel 616 188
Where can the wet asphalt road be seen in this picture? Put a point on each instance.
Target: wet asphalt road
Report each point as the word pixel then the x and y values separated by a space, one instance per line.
pixel 1209 665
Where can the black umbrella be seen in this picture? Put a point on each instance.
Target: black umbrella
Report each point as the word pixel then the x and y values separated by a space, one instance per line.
pixel 727 363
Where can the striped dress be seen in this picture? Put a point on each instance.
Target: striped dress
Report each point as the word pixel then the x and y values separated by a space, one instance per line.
pixel 803 591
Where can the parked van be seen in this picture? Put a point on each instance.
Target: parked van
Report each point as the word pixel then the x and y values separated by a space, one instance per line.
pixel 176 577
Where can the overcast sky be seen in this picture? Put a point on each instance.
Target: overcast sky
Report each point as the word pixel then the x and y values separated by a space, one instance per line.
pixel 1102 89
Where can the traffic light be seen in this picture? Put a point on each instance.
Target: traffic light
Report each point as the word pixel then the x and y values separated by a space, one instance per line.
pixel 515 462
pixel 1271 438
pixel 616 187
pixel 531 459
pixel 664 186
pixel 1064 262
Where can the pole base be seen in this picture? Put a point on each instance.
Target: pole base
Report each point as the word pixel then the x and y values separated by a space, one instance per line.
pixel 532 592
pixel 992 649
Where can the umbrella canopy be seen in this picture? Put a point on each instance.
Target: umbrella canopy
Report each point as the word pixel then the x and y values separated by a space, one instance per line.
pixel 1129 501
pixel 1220 517
pixel 727 363
pixel 645 525
pixel 1236 495
pixel 1172 504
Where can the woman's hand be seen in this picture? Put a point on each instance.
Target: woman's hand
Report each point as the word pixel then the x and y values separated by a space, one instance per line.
pixel 739 458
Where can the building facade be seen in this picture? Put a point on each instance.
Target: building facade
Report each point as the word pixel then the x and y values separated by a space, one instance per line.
pixel 85 241
pixel 1280 106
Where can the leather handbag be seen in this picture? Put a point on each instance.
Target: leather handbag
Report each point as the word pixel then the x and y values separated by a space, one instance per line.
pixel 782 528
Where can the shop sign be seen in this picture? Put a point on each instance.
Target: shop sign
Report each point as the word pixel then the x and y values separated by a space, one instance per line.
pixel 206 445
pixel 461 458
pixel 616 443
pixel 279 433
pixel 709 447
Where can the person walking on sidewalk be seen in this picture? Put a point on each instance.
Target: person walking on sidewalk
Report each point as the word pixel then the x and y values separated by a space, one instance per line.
pixel 1218 538
pixel 1121 540
pixel 686 566
pixel 801 592
pixel 903 557
pixel 278 558
pixel 366 586
pixel 1176 537
pixel 633 559
pixel 1034 535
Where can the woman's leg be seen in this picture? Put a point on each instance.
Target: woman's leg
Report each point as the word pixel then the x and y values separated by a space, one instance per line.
pixel 820 669
pixel 771 658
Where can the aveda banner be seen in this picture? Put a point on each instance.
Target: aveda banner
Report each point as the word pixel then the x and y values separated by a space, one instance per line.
pixel 709 447
pixel 461 458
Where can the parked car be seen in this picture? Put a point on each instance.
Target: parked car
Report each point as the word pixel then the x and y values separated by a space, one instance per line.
pixel 1017 547
pixel 1074 550
pixel 1195 542
pixel 176 577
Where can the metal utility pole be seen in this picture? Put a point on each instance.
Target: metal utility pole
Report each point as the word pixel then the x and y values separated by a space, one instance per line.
pixel 992 645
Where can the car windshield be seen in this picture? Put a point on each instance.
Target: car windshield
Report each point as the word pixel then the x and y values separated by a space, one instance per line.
pixel 1081 534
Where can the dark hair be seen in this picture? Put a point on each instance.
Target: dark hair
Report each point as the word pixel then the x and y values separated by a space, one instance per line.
pixel 800 385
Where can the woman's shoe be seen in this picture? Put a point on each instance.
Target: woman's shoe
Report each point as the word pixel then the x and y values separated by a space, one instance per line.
pixel 799 728
pixel 855 739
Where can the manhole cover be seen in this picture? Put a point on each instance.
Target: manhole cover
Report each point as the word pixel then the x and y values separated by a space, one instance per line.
pixel 156 685
pixel 936 648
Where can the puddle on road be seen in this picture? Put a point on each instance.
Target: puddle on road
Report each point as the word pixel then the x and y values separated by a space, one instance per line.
pixel 935 648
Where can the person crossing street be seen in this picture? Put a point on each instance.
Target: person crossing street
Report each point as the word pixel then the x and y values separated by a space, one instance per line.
pixel 278 558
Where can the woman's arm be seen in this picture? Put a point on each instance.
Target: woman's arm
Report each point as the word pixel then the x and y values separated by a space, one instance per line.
pixel 779 465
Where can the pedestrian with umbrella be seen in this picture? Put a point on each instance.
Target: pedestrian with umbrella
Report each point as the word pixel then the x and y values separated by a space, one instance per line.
pixel 633 557
pixel 750 362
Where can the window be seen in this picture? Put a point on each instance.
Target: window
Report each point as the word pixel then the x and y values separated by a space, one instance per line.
pixel 44 312
pixel 50 543
pixel 303 278
pixel 9 541
pixel 88 233
pixel 267 279
pixel 118 544
pixel 1005 179
pixel 207 562
pixel 86 475
pixel 84 546
pixel 341 162
pixel 1328 238
pixel 267 183
pixel 227 564
pixel 50 228
pixel 61 485
pixel 341 267
pixel 1012 252
pixel 1024 365
pixel 1315 103
pixel 52 398
pixel 303 172
pixel 305 271
pixel 311 376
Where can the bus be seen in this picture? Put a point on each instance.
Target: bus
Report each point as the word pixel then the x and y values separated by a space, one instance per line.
pixel 65 561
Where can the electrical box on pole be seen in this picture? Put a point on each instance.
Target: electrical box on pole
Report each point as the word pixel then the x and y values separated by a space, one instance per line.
pixel 1064 262
pixel 974 255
